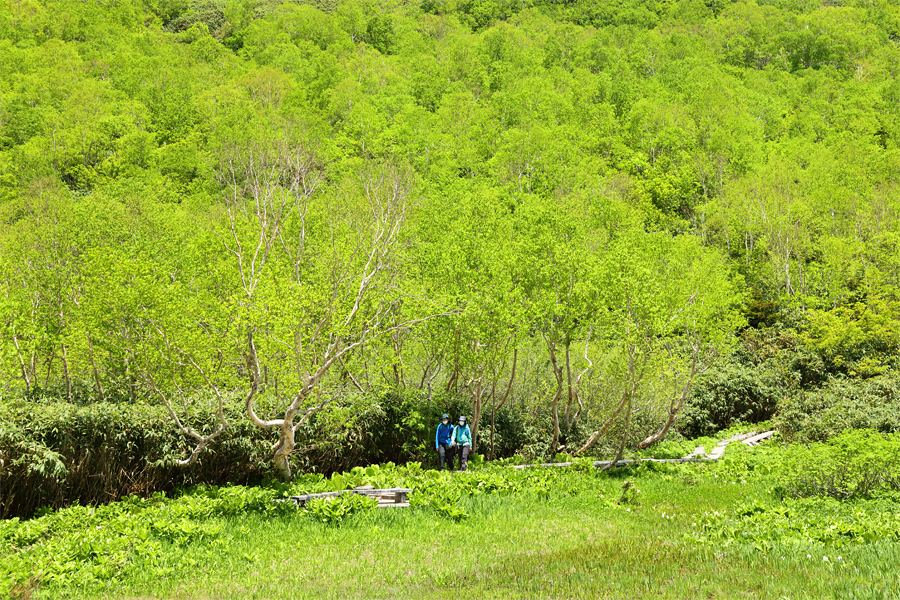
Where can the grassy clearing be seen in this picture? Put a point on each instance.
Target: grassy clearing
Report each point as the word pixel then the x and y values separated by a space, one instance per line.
pixel 564 546
pixel 555 534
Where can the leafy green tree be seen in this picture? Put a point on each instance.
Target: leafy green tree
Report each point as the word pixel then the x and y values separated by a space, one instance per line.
pixel 662 329
pixel 557 263
pixel 466 260
pixel 380 33
pixel 180 178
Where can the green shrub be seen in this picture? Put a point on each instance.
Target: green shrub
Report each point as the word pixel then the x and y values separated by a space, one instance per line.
pixel 630 494
pixel 770 365
pixel 840 405
pixel 729 394
pixel 854 464
pixel 208 12
pixel 676 447
pixel 86 547
pixel 56 453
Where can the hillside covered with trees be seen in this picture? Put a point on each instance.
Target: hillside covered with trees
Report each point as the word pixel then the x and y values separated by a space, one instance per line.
pixel 315 226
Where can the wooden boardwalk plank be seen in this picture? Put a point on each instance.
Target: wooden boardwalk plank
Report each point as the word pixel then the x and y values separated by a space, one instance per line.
pixel 755 440
pixel 385 497
pixel 698 455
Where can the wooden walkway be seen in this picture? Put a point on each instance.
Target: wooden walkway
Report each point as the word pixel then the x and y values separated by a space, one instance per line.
pixel 387 498
pixel 698 455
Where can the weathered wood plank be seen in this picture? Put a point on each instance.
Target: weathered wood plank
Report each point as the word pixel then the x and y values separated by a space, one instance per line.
pixel 384 496
pixel 756 439
pixel 698 455
pixel 717 452
pixel 301 500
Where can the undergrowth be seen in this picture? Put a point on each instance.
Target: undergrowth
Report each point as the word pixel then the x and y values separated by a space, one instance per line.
pixel 560 532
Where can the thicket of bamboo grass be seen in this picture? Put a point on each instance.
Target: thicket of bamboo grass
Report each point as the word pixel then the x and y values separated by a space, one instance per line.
pixel 56 453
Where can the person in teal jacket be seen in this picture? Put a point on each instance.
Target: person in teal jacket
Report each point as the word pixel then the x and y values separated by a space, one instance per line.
pixel 462 441
pixel 442 441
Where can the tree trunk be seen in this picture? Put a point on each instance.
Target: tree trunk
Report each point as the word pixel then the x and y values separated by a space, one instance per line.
pixel 569 382
pixel 33 367
pixel 398 378
pixel 283 452
pixel 626 402
pixel 129 376
pixel 49 370
pixel 94 368
pixel 22 363
pixel 397 339
pixel 554 404
pixel 512 378
pixel 453 380
pixel 476 412
pixel 495 407
pixel 65 360
pixel 493 420
pixel 596 435
pixel 621 449
pixel 677 403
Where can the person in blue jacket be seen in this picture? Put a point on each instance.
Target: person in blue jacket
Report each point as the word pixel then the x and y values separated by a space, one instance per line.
pixel 462 441
pixel 442 441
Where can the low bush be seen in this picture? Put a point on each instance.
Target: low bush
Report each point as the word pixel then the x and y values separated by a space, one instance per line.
pixel 56 453
pixel 88 547
pixel 854 464
pixel 674 446
pixel 769 365
pixel 840 405
pixel 730 394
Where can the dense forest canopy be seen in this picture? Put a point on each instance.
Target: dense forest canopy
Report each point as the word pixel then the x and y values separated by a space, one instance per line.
pixel 575 206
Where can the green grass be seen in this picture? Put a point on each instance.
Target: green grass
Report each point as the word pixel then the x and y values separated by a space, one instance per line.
pixel 562 535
